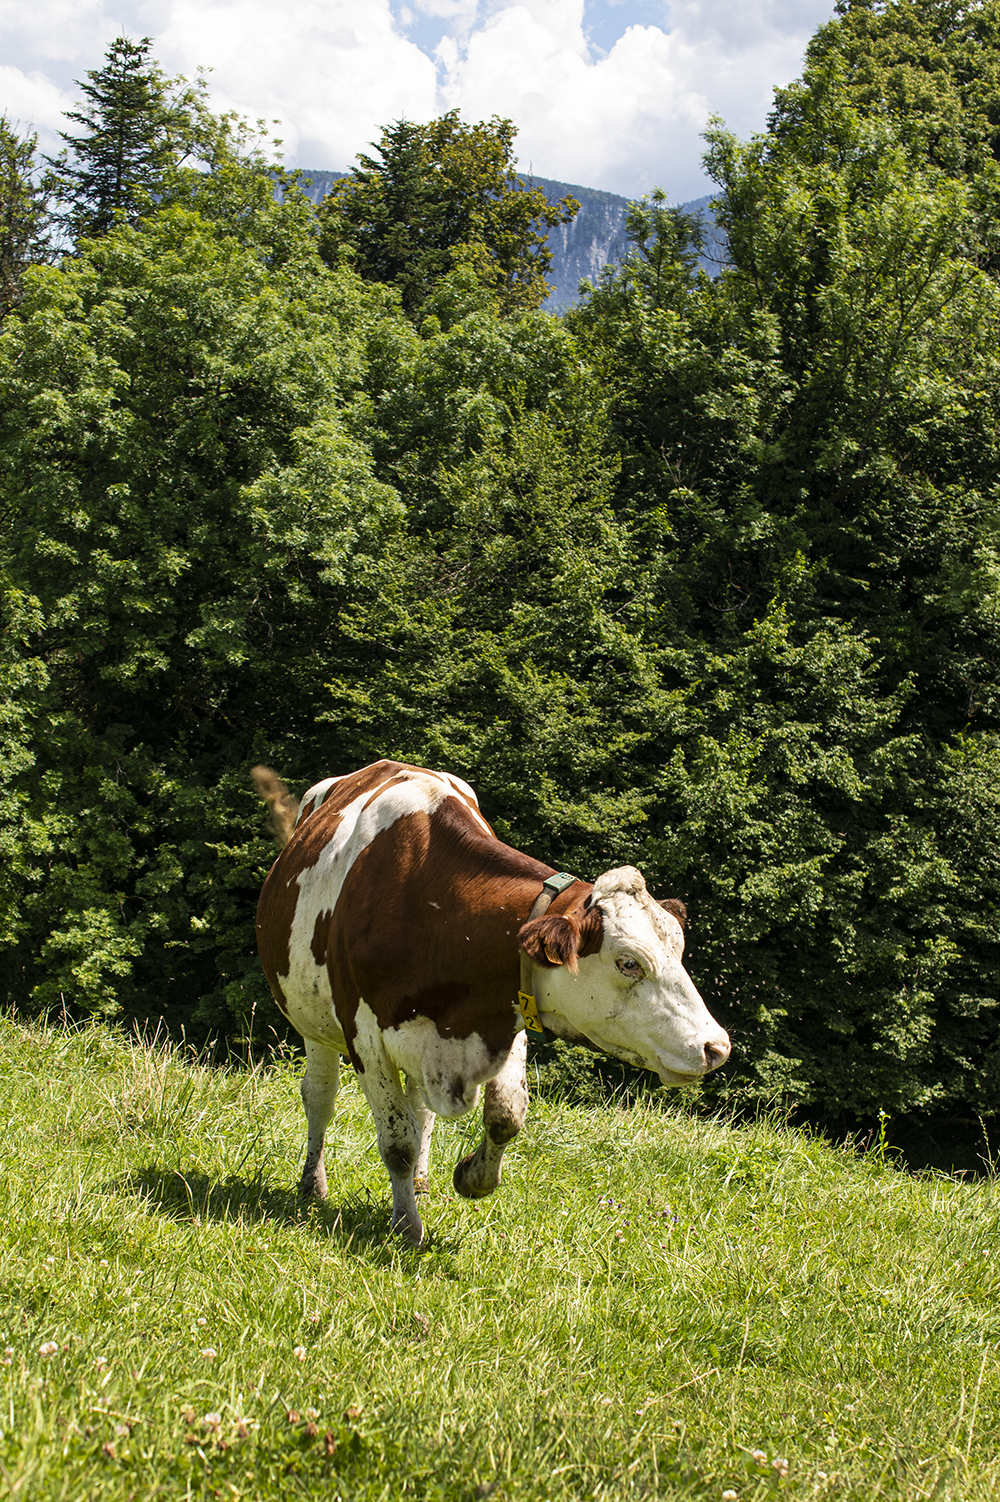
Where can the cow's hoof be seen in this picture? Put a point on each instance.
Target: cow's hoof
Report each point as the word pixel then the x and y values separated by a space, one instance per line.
pixel 410 1228
pixel 313 1186
pixel 470 1181
pixel 422 1185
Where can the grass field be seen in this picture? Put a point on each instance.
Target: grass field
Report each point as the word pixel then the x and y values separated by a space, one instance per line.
pixel 652 1305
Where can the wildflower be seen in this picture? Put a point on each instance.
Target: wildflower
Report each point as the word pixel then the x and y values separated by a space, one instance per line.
pixel 109 1450
pixel 100 1362
pixel 729 1496
pixel 780 1465
pixel 760 1456
pixel 292 1416
pixel 201 1320
pixel 103 1262
pixel 122 1430
pixel 48 1348
pixel 209 1353
pixel 329 1443
pixel 312 1413
pixel 212 1420
pixel 50 1261
pixel 299 1353
pixel 8 1356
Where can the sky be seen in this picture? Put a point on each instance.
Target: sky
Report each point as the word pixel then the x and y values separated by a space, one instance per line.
pixel 609 94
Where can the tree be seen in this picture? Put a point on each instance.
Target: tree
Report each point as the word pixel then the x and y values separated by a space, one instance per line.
pixel 933 69
pixel 809 460
pixel 24 213
pixel 183 506
pixel 441 195
pixel 135 129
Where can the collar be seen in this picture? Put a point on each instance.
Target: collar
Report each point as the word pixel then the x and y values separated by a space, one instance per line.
pixel 526 1003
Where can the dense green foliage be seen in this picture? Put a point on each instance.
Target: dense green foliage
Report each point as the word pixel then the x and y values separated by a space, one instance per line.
pixel 704 577
pixel 652 1305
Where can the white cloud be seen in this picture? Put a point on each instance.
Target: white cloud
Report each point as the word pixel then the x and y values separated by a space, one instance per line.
pixel 335 71
pixel 333 76
pixel 31 101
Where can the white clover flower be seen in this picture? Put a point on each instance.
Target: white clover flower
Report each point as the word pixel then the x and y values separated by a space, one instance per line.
pixel 201 1320
pixel 212 1420
pixel 730 1496
pixel 760 1456
pixel 122 1430
pixel 299 1353
pixel 100 1362
pixel 48 1348
pixel 209 1353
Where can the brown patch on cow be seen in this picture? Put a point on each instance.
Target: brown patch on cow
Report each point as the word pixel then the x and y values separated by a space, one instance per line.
pixel 675 905
pixel 427 926
pixel 321 930
pixel 558 939
pixel 440 1001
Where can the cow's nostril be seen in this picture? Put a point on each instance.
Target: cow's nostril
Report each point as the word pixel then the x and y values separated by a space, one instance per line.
pixel 716 1054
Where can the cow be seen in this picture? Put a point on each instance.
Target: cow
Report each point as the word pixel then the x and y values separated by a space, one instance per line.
pixel 391 929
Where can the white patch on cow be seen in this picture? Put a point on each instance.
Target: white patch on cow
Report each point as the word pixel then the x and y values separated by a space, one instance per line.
pixel 658 1020
pixel 449 1071
pixel 306 987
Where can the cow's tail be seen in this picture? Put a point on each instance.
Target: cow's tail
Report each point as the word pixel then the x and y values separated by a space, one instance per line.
pixel 282 805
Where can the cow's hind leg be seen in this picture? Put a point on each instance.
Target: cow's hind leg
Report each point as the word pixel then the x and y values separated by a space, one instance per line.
pixel 425 1120
pixel 505 1105
pixel 320 1084
pixel 396 1127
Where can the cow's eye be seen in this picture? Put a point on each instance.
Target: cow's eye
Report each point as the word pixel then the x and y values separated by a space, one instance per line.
pixel 629 967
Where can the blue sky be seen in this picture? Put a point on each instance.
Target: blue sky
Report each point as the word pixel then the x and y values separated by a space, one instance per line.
pixel 607 93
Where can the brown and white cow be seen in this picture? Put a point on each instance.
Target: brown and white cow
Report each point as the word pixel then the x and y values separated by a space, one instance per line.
pixel 389 930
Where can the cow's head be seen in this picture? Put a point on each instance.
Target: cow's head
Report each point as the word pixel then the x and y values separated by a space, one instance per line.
pixel 610 972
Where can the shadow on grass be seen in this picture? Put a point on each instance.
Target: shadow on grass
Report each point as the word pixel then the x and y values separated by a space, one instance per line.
pixel 358 1223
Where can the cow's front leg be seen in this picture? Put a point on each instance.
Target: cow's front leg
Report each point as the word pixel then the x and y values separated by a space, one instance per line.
pixel 425 1120
pixel 505 1105
pixel 320 1084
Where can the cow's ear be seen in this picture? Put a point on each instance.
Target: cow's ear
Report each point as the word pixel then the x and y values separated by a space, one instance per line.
pixel 555 940
pixel 675 906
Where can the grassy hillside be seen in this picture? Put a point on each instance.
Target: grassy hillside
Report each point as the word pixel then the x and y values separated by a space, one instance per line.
pixel 652 1305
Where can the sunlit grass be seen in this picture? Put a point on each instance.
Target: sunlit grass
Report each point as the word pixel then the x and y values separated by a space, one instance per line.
pixel 653 1304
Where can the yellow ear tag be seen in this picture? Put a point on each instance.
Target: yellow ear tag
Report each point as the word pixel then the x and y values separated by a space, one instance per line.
pixel 528 1007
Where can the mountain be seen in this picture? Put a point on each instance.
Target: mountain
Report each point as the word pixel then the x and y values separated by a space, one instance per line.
pixel 579 249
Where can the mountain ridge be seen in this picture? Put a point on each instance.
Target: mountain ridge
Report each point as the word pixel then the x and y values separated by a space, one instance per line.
pixel 581 249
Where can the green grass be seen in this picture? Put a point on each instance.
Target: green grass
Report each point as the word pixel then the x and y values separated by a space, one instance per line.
pixel 649 1299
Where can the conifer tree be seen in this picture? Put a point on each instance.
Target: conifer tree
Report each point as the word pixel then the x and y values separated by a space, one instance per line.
pixel 127 141
pixel 24 214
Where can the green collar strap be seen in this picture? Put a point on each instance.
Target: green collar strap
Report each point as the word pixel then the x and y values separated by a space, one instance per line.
pixel 526 1003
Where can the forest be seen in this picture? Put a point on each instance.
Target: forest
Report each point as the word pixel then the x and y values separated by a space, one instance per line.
pixel 702 576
